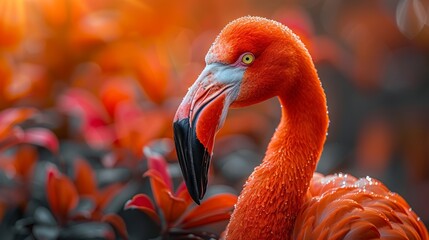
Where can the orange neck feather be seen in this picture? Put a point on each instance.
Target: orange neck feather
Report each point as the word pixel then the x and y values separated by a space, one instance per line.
pixel 275 191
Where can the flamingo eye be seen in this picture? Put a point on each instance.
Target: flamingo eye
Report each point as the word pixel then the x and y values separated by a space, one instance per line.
pixel 247 58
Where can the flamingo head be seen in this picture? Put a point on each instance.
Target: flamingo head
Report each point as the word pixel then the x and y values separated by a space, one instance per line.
pixel 245 65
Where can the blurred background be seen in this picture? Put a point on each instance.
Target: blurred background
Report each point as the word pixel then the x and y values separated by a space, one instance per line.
pixel 99 80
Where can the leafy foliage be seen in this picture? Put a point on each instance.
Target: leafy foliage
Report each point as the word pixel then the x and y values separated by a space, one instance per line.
pixel 174 211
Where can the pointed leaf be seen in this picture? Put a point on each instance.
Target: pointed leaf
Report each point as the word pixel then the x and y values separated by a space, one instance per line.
pixel 99 137
pixel 95 119
pixel 13 137
pixel 84 179
pixel 157 163
pixel 171 206
pixel 117 223
pixel 80 102
pixel 182 192
pixel 140 200
pixel 61 194
pixel 41 137
pixel 143 203
pixel 214 209
pixel 13 116
pixel 25 159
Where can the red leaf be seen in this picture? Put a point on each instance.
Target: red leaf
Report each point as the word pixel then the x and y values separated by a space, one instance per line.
pixel 14 136
pixel 99 137
pixel 95 127
pixel 85 180
pixel 157 163
pixel 61 193
pixel 25 159
pixel 82 103
pixel 171 206
pixel 117 223
pixel 182 192
pixel 143 203
pixel 41 137
pixel 214 209
pixel 12 116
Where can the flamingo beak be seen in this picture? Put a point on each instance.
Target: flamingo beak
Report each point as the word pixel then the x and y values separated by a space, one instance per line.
pixel 199 117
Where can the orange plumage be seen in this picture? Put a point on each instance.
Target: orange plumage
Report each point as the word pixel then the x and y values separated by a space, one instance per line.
pixel 282 198
pixel 355 209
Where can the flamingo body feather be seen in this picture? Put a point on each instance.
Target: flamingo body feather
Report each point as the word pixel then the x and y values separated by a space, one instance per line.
pixel 341 206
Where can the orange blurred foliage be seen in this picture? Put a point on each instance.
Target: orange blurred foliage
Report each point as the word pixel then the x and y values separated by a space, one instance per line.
pixel 12 22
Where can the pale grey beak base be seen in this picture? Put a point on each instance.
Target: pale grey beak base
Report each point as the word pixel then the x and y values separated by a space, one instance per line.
pixel 194 156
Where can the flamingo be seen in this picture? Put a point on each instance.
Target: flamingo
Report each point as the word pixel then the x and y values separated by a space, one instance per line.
pixel 254 59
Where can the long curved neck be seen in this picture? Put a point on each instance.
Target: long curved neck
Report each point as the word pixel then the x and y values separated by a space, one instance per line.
pixel 275 192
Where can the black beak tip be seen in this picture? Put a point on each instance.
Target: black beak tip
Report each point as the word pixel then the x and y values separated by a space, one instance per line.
pixel 193 157
pixel 196 199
